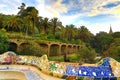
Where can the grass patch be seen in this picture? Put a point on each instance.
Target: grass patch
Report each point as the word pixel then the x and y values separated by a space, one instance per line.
pixel 73 58
pixel 61 59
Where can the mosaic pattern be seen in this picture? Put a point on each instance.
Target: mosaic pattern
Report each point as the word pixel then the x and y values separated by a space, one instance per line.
pixel 115 66
pixel 95 71
pixel 106 68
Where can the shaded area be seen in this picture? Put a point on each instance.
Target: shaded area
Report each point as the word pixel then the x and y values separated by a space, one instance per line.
pixel 12 46
pixel 54 50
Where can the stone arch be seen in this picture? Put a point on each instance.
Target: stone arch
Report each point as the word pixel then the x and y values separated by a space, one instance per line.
pixel 69 49
pixel 23 46
pixel 54 50
pixel 44 47
pixel 74 49
pixel 78 48
pixel 63 49
pixel 13 47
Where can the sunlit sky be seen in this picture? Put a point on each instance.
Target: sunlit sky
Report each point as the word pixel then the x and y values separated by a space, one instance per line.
pixel 96 15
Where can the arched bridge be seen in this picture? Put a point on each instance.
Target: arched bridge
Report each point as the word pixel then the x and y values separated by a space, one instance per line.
pixel 51 48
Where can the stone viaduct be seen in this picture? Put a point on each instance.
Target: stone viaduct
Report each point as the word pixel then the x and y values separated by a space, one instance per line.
pixel 50 48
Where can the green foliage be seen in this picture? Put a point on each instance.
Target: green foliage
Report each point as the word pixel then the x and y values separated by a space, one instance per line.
pixel 114 50
pixel 73 58
pixel 32 48
pixel 70 32
pixel 4 41
pixel 61 59
pixel 50 36
pixel 22 8
pixel 55 23
pixel 41 36
pixel 84 34
pixel 116 35
pixel 101 42
pixel 86 54
pixel 80 78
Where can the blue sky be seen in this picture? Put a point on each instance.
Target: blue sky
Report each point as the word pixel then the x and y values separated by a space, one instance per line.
pixel 96 15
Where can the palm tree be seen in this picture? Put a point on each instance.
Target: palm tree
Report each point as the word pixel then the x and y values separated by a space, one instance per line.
pixel 45 23
pixel 84 34
pixel 70 31
pixel 13 24
pixel 33 15
pixel 26 25
pixel 22 8
pixel 55 23
pixel 39 24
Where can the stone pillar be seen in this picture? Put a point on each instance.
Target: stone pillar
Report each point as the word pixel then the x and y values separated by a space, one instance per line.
pixel 75 48
pixel 18 47
pixel 66 49
pixel 48 49
pixel 59 50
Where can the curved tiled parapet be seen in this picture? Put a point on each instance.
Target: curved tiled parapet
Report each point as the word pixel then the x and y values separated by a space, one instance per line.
pixel 103 69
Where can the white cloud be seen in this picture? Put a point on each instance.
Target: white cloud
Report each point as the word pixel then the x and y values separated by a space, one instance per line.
pixel 92 7
pixel 9 7
pixel 98 27
pixel 83 8
pixel 41 7
pixel 55 8
pixel 96 8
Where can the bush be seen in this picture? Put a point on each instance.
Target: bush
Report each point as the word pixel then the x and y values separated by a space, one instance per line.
pixel 113 52
pixel 60 59
pixel 86 55
pixel 32 48
pixel 4 41
pixel 73 58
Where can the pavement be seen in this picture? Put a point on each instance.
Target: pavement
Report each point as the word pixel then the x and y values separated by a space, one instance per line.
pixel 29 73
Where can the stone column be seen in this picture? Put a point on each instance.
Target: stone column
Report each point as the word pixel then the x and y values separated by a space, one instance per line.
pixel 59 49
pixel 48 49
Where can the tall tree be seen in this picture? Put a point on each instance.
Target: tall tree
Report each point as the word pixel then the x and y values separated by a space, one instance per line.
pixel 101 42
pixel 70 31
pixel 13 24
pixel 116 35
pixel 45 23
pixel 56 24
pixel 114 49
pixel 39 24
pixel 22 8
pixel 84 34
pixel 32 12
pixel 34 18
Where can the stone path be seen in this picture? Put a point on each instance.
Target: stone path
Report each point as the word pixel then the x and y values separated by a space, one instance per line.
pixel 32 74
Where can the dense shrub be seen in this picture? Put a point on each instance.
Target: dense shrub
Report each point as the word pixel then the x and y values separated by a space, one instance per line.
pixel 114 50
pixel 86 55
pixel 4 41
pixel 73 58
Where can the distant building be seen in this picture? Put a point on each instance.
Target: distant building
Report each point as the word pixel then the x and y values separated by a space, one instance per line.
pixel 110 32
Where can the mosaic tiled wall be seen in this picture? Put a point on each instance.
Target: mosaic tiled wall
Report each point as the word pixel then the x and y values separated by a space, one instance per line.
pixel 107 67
